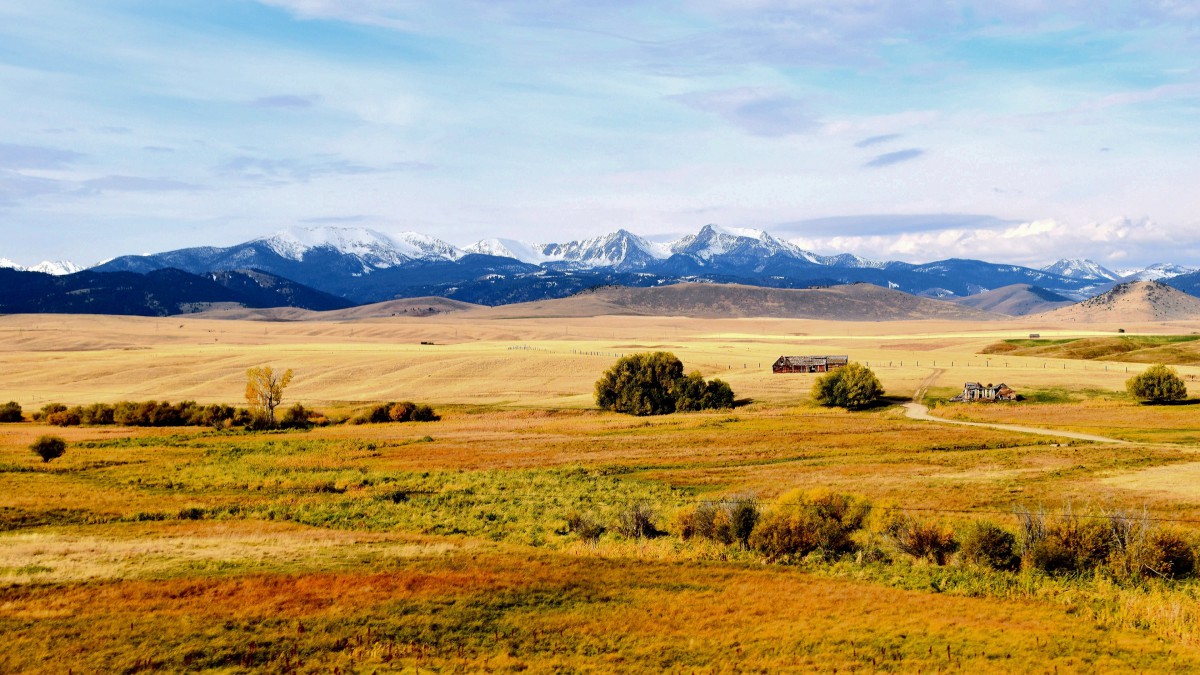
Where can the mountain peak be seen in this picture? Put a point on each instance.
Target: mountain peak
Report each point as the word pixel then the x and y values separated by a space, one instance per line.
pixel 1075 268
pixel 375 249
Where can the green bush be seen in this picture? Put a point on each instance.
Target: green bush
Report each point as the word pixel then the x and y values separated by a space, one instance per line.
pixel 852 387
pixel 1159 384
pixel 49 447
pixel 640 384
pixel 987 545
pixel 692 393
pixel 11 412
pixel 802 523
pixel 653 383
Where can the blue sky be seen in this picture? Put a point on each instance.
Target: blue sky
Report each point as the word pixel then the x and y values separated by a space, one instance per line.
pixel 1058 128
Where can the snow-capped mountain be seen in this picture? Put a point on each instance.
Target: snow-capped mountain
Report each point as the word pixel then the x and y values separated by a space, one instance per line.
pixel 621 250
pixel 713 241
pixel 509 248
pixel 57 268
pixel 364 265
pixel 375 250
pixel 1155 272
pixel 1074 268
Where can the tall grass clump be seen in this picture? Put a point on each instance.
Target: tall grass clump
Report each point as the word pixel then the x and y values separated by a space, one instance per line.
pixel 920 538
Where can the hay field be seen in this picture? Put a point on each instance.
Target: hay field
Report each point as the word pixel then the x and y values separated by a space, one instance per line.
pixel 491 360
pixel 446 546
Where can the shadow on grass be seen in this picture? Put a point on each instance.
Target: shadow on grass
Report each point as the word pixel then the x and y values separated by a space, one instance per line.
pixel 1184 402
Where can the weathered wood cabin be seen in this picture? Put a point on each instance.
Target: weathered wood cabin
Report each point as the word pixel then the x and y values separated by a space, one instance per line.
pixel 809 364
pixel 974 391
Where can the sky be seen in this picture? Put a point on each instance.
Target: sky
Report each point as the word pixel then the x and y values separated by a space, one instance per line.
pixel 1015 131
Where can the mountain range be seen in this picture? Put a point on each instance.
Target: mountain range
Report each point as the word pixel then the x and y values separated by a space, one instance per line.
pixel 356 266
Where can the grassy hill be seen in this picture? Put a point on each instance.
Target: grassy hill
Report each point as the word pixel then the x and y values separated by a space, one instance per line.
pixel 1169 349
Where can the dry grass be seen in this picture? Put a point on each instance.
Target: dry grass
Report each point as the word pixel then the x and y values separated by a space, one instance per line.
pixel 301 560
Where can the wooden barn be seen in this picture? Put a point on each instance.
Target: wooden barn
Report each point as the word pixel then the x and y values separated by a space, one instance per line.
pixel 974 391
pixel 809 364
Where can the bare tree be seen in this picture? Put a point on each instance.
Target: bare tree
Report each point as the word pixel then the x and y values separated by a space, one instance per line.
pixel 264 390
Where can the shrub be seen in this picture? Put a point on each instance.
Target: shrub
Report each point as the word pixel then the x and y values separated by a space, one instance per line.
pixel 587 527
pixel 636 521
pixel 693 393
pixel 1159 384
pixel 640 384
pixel 11 412
pixel 296 417
pixel 402 412
pixel 736 520
pixel 1167 554
pixel 1070 544
pixel 63 418
pixel 47 410
pixel 697 521
pixel 49 447
pixel 805 522
pixel 653 383
pixel 923 539
pixel 988 545
pixel 852 387
pixel 424 413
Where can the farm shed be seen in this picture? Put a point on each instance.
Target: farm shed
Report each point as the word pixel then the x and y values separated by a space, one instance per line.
pixel 809 364
pixel 974 391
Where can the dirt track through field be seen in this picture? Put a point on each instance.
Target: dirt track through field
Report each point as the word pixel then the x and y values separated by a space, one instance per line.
pixel 919 411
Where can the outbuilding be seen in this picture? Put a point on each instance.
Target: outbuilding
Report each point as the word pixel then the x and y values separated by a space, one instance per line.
pixel 809 364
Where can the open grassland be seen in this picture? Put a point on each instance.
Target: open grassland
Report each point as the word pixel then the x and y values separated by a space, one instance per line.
pixel 1180 350
pixel 447 546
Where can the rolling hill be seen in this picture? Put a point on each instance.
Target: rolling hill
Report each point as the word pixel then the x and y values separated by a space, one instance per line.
pixel 1015 300
pixel 851 302
pixel 1136 301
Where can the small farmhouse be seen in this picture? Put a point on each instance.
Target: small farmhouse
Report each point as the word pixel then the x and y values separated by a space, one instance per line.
pixel 974 391
pixel 809 364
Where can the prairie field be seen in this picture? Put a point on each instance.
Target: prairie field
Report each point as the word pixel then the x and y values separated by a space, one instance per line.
pixel 452 546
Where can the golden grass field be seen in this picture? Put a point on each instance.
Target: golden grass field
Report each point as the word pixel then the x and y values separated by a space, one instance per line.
pixel 442 547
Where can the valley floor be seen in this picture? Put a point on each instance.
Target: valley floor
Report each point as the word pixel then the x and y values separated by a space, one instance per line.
pixel 446 547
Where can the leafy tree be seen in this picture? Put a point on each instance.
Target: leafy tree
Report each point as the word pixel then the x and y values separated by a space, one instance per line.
pixel 264 391
pixel 49 447
pixel 11 412
pixel 852 387
pixel 653 383
pixel 640 384
pixel 1159 384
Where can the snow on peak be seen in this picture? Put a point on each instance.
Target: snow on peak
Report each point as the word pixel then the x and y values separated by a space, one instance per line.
pixel 1155 272
pixel 621 249
pixel 714 240
pixel 1081 269
pixel 509 248
pixel 375 249
pixel 56 267
pixel 426 247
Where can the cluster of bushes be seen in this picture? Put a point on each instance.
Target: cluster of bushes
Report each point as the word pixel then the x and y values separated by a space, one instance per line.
pixel 218 416
pixel 404 411
pixel 653 383
pixel 1119 545
pixel 145 414
pixel 1159 384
